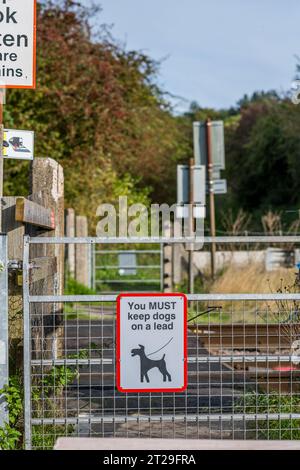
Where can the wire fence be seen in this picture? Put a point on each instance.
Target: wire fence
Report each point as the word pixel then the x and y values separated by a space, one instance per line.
pixel 243 374
pixel 243 369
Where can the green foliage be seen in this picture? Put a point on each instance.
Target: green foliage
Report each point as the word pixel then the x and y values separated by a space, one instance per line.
pixel 262 155
pixel 127 186
pixel 74 287
pixel 57 379
pixel 45 436
pixel 11 433
pixel 142 273
pixel 272 403
pixel 50 384
pixel 98 112
pixel 47 391
pixel 262 151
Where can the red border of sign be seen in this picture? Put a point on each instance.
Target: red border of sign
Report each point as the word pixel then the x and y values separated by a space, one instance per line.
pixel 118 343
pixel 33 86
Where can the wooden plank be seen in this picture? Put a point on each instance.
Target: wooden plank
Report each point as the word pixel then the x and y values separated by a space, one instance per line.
pixel 42 268
pixel 15 230
pixel 70 248
pixel 15 235
pixel 34 214
pixel 82 252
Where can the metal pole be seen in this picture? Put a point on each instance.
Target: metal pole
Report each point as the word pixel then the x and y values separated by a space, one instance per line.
pixel 162 280
pixel 212 216
pixel 27 346
pixel 191 227
pixel 1 154
pixel 93 248
pixel 265 239
pixel 4 376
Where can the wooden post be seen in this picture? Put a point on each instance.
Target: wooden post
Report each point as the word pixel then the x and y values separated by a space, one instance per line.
pixel 32 213
pixel 15 234
pixel 168 261
pixel 47 186
pixel 177 253
pixel 191 227
pixel 70 249
pixel 82 252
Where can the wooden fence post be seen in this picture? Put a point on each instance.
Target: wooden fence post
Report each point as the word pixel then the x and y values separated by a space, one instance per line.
pixel 70 249
pixel 82 252
pixel 177 253
pixel 168 259
pixel 15 234
pixel 42 215
pixel 47 187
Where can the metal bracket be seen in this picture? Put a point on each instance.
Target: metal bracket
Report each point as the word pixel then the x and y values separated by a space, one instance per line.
pixel 15 265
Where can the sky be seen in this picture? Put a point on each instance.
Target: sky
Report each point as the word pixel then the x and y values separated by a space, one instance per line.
pixel 213 51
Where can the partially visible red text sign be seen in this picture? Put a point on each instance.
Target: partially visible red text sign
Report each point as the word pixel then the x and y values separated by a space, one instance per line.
pixel 17 43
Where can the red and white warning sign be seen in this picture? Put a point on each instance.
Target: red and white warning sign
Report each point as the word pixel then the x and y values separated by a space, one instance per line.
pixel 151 342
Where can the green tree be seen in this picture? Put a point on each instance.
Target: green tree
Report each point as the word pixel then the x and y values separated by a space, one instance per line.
pixel 97 110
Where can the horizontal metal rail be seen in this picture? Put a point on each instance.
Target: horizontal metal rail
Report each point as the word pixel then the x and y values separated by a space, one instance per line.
pixel 192 360
pixel 117 292
pixel 148 240
pixel 131 252
pixel 114 241
pixel 127 281
pixel 140 266
pixel 190 297
pixel 196 418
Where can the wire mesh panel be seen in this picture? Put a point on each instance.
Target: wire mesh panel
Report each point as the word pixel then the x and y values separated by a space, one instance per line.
pixel 243 371
pixel 243 376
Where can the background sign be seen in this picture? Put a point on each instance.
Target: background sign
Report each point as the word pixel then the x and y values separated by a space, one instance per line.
pixel 18 144
pixel 183 184
pixel 17 43
pixel 127 264
pixel 217 144
pixel 220 186
pixel 152 342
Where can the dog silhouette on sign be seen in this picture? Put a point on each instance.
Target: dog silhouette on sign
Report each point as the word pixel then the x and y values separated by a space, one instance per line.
pixel 147 364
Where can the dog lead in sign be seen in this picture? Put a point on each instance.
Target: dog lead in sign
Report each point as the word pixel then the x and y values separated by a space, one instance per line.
pixel 147 364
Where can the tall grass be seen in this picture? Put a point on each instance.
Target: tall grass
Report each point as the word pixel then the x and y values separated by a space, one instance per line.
pixel 252 278
pixel 273 403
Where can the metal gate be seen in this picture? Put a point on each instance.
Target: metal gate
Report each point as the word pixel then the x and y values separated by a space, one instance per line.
pixel 243 369
pixel 138 270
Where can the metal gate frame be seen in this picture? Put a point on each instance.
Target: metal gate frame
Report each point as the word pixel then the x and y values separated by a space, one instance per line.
pixel 159 281
pixel 29 299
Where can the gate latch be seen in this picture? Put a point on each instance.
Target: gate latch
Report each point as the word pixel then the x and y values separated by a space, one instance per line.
pixel 15 265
